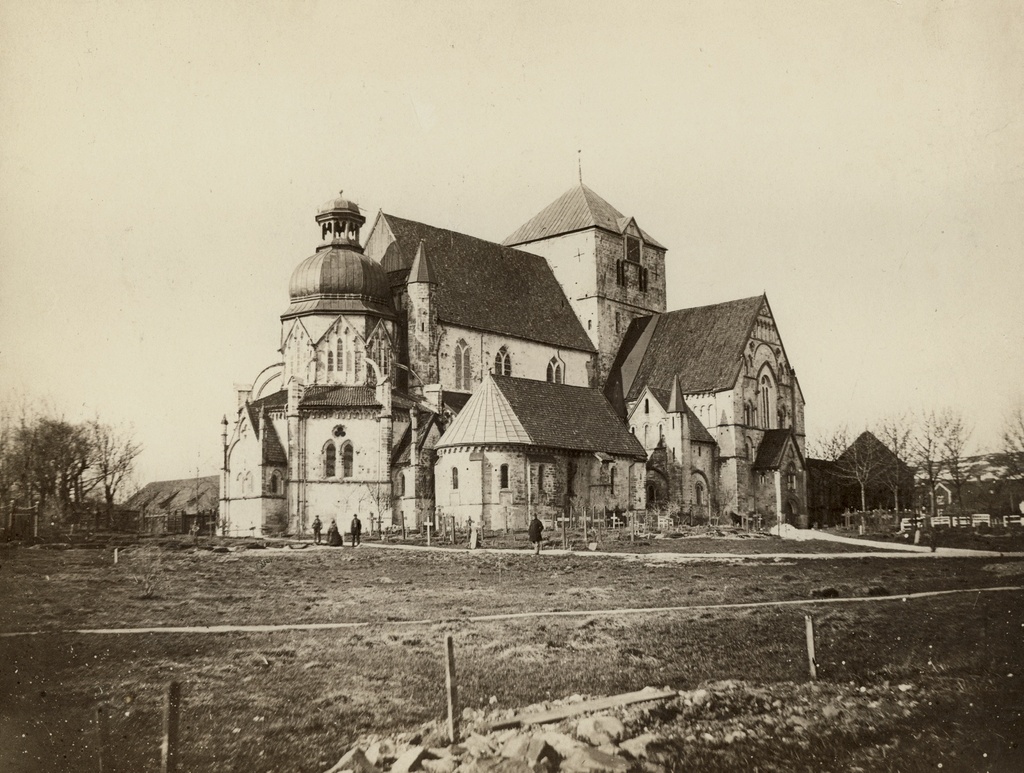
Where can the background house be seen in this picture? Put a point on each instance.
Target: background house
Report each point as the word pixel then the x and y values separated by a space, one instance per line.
pixel 172 506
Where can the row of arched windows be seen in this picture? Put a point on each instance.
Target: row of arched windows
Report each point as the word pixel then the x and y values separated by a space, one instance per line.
pixel 275 484
pixel 502 367
pixel 331 459
pixel 541 479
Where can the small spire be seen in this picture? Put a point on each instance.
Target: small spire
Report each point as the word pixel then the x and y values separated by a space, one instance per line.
pixel 421 270
pixel 675 400
pixel 579 164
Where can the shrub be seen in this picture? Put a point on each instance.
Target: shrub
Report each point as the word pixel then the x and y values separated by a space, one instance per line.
pixel 144 567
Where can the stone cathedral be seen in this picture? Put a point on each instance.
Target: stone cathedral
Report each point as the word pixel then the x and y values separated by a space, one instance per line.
pixel 427 374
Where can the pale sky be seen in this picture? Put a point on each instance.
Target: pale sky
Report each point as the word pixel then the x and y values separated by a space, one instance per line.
pixel 161 164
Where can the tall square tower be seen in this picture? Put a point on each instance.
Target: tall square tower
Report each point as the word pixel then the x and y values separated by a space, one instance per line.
pixel 611 270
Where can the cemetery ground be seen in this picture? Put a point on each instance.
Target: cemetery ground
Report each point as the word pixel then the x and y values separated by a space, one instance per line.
pixel 904 683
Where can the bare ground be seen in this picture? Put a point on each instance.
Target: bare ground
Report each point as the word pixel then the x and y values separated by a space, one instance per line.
pixel 295 701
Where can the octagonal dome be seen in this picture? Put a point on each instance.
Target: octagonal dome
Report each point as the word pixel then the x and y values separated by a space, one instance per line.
pixel 336 280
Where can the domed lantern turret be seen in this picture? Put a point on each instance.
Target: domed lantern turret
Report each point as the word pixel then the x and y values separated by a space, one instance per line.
pixel 338 277
pixel 340 221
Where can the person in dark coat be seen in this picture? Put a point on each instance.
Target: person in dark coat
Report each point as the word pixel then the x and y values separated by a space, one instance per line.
pixel 357 529
pixel 317 527
pixel 334 535
pixel 536 527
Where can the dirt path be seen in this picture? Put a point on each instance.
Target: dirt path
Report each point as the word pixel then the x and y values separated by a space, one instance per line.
pixel 894 551
pixel 214 629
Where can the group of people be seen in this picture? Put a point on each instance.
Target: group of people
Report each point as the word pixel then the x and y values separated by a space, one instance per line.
pixel 334 538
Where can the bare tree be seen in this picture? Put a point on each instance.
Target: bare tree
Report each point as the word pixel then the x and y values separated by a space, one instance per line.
pixel 859 461
pixel 927 452
pixel 114 451
pixel 895 432
pixel 1013 444
pixel 955 434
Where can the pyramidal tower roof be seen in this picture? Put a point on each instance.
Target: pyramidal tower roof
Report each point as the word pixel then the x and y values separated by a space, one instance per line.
pixel 577 209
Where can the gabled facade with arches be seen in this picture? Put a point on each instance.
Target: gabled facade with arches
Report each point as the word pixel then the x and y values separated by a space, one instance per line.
pixel 731 369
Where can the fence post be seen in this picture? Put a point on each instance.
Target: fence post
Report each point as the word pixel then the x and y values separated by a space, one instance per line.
pixel 449 674
pixel 169 748
pixel 106 762
pixel 812 664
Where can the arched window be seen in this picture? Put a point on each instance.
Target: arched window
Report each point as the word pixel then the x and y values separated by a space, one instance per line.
pixel 540 478
pixel 750 450
pixel 275 482
pixel 340 346
pixel 502 363
pixel 400 484
pixel 330 458
pixel 330 361
pixel 463 371
pixel 555 371
pixel 347 456
pixel 791 477
pixel 698 492
pixel 647 405
pixel 767 399
pixel 504 475
pixel 455 478
pixel 357 362
pixel 611 481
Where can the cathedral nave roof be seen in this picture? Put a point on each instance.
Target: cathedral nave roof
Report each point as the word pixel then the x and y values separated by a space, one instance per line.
pixel 485 286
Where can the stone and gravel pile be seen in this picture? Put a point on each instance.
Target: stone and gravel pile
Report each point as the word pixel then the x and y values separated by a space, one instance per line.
pixel 730 719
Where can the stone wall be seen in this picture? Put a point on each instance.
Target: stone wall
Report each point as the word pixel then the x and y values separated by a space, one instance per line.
pixel 529 359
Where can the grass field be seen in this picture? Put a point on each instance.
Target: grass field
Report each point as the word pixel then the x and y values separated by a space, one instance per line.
pixel 295 700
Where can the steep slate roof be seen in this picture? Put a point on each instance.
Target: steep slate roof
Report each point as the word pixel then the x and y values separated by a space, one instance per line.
pixel 702 346
pixel 519 411
pixel 173 495
pixel 400 453
pixel 575 210
pixel 273 451
pixel 698 432
pixel 772 448
pixel 486 286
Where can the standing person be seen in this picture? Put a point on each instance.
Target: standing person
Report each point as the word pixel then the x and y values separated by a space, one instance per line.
pixel 194 531
pixel 334 536
pixel 357 529
pixel 536 527
pixel 317 526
